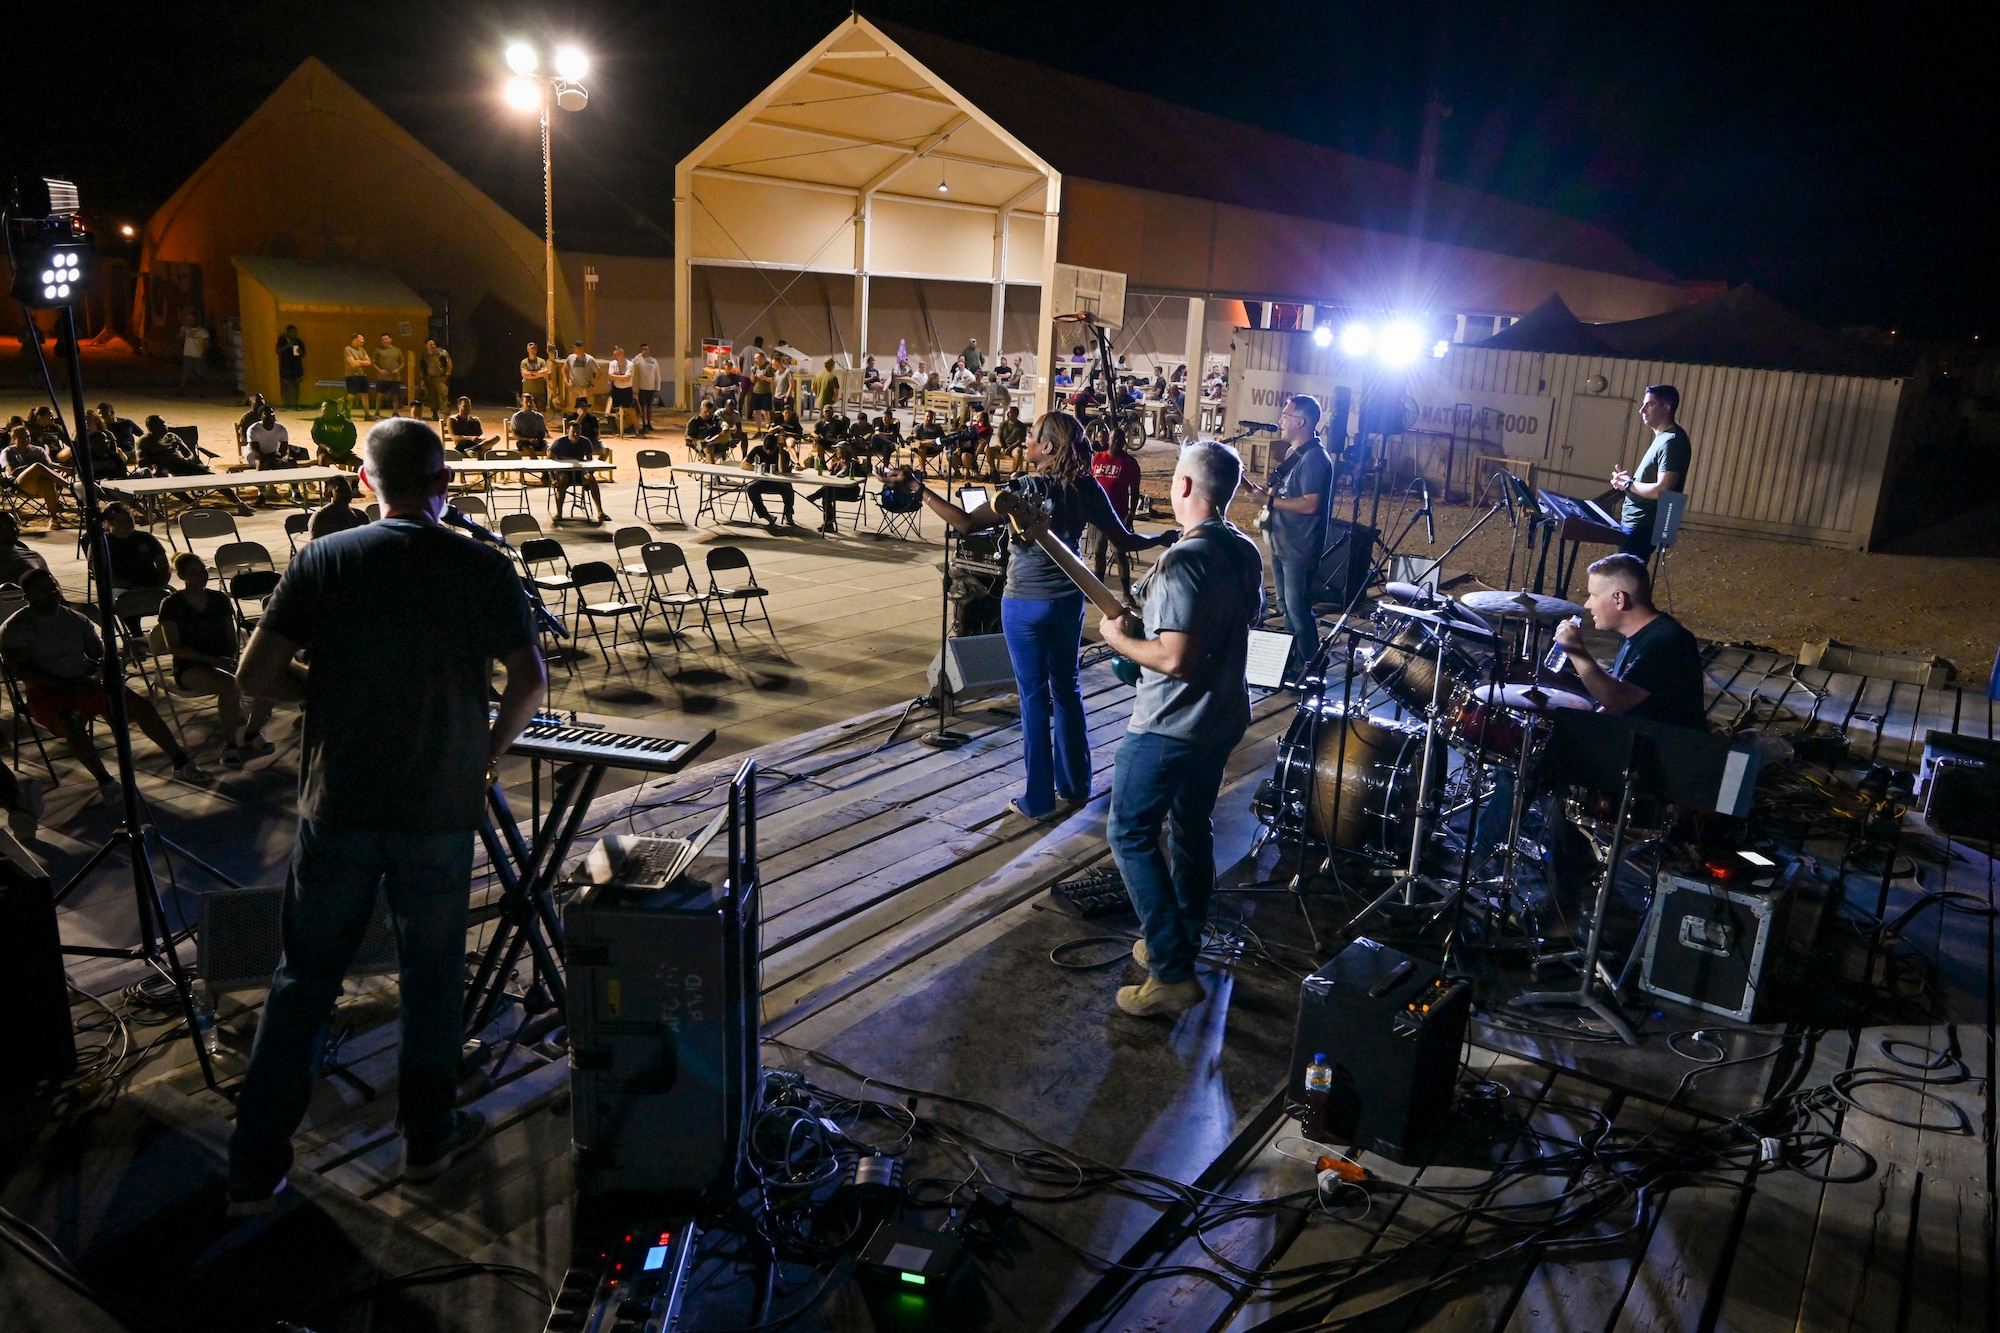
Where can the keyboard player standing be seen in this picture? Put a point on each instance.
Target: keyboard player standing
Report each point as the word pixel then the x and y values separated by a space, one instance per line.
pixel 1664 468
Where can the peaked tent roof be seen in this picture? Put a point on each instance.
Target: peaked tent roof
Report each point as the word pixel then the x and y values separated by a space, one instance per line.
pixel 1550 327
pixel 1100 132
pixel 301 284
pixel 1743 327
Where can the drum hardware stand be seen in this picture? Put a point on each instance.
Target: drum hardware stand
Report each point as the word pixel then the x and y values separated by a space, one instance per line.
pixel 1585 994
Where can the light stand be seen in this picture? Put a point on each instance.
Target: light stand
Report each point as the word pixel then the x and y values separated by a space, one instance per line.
pixel 156 945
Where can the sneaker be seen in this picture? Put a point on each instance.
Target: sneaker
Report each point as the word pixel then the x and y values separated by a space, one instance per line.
pixel 255 746
pixel 466 1134
pixel 109 792
pixel 1015 806
pixel 254 1203
pixel 1139 953
pixel 1161 999
pixel 232 757
pixel 194 773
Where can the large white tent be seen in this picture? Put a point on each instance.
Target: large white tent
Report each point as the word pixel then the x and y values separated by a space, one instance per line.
pixel 885 153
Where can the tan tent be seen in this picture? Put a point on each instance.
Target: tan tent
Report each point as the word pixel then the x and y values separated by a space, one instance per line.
pixel 888 153
pixel 329 303
pixel 319 173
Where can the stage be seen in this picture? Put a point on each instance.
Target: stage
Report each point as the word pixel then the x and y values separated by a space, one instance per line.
pixel 912 957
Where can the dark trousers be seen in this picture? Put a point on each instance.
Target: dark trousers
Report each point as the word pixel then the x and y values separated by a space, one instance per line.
pixel 329 897
pixel 757 490
pixel 1638 540
pixel 830 495
pixel 1042 641
pixel 1159 779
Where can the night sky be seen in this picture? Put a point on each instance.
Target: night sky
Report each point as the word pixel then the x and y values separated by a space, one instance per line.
pixel 1837 158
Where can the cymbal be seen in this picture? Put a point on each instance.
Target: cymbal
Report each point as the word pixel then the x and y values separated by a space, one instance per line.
pixel 1520 605
pixel 1532 698
pixel 1436 620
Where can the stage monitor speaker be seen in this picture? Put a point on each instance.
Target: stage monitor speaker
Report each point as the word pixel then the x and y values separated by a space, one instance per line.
pixel 663 1006
pixel 1392 1028
pixel 1959 784
pixel 242 939
pixel 1343 568
pixel 42 1042
pixel 973 664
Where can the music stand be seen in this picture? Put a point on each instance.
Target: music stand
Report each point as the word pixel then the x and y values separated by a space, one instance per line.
pixel 1689 768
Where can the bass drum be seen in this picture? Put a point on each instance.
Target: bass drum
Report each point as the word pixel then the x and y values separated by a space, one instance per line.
pixel 1374 781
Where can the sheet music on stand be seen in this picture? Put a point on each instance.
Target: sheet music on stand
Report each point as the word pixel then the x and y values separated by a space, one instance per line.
pixel 1264 665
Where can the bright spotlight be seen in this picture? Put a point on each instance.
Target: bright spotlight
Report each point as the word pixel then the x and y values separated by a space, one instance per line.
pixel 1356 339
pixel 1440 347
pixel 127 230
pixel 571 62
pixel 1401 343
pixel 1322 336
pixel 523 94
pixel 520 57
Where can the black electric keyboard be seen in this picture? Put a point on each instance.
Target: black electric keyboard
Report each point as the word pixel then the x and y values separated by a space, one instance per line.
pixel 1582 520
pixel 564 737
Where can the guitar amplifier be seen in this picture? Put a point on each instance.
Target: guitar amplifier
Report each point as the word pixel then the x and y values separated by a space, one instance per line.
pixel 1707 943
pixel 1392 1027
pixel 1344 562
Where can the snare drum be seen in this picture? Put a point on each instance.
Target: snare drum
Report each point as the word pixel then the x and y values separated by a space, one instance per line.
pixel 1374 782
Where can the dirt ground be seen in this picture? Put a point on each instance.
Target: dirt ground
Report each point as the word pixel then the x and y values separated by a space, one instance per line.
pixel 1732 588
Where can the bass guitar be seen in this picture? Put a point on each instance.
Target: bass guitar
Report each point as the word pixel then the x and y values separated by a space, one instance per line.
pixel 1030 523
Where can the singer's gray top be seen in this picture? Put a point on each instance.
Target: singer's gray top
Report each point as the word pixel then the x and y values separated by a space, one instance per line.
pixel 1306 471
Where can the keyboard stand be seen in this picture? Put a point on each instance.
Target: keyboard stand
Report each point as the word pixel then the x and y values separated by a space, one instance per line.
pixel 527 917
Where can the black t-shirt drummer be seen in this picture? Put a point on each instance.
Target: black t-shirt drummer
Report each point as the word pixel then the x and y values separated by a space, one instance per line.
pixel 1664 660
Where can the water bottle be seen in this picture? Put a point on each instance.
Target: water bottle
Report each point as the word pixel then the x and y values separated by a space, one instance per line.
pixel 1319 1092
pixel 204 1019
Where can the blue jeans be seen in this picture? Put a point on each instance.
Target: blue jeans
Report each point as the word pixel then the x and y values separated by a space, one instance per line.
pixel 1159 778
pixel 1042 642
pixel 329 897
pixel 1295 599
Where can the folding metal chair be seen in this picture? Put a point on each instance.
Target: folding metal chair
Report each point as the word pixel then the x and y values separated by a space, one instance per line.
pixel 252 587
pixel 628 540
pixel 598 574
pixel 514 525
pixel 731 561
pixel 9 604
pixel 233 558
pixel 548 569
pixel 205 523
pixel 499 490
pixel 663 560
pixel 669 491
pixel 297 527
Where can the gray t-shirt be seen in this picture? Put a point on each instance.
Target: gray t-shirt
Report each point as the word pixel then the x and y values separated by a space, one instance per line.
pixel 1306 471
pixel 1671 451
pixel 1031 574
pixel 1211 585
pixel 62 643
pixel 404 621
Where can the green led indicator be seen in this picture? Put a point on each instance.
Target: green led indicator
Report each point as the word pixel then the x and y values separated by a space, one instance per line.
pixel 914 1278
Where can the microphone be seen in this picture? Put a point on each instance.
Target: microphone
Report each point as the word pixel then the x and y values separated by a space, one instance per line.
pixel 1507 494
pixel 1430 524
pixel 1254 426
pixel 456 518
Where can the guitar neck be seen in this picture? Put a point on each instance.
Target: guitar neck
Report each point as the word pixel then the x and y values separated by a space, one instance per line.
pixel 1079 573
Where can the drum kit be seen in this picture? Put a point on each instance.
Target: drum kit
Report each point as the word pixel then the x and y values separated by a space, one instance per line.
pixel 1438 695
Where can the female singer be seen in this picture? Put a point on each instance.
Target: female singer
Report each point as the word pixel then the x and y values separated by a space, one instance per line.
pixel 1041 611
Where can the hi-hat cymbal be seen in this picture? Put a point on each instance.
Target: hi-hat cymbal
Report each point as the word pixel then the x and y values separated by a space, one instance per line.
pixel 1532 698
pixel 1520 605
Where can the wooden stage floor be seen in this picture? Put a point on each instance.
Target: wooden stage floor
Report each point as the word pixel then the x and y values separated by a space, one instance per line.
pixel 910 949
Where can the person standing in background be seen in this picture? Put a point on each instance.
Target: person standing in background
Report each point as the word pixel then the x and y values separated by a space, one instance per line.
pixel 435 367
pixel 360 370
pixel 535 373
pixel 619 372
pixel 579 374
pixel 291 365
pixel 194 358
pixel 646 385
pixel 1664 468
pixel 389 375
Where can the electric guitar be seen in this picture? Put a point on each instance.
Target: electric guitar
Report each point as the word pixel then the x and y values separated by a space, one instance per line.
pixel 1032 524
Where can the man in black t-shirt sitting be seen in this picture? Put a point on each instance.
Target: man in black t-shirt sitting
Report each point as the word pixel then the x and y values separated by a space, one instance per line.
pixel 1657 674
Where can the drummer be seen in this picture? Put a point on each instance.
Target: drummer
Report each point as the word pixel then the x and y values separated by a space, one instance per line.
pixel 1657 673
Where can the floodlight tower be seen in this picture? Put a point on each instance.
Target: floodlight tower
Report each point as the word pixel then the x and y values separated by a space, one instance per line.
pixel 529 90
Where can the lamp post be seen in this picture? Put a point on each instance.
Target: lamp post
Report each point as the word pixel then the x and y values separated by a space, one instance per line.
pixel 532 91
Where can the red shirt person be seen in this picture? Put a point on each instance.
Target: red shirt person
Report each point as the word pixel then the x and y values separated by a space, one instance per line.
pixel 1118 473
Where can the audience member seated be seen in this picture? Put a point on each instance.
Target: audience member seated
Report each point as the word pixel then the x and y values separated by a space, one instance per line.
pixel 574 447
pixel 56 653
pixel 338 514
pixel 32 472
pixel 827 496
pixel 703 430
pixel 245 422
pixel 828 432
pixel 466 432
pixel 123 429
pixel 1009 444
pixel 199 625
pixel 17 558
pixel 138 560
pixel 168 455
pixel 108 461
pixel 528 430
pixel 769 455
pixel 333 434
pixel 925 440
pixel 590 427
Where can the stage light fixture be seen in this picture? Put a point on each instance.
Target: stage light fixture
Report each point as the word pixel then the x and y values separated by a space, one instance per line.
pixel 571 63
pixel 127 230
pixel 50 269
pixel 523 94
pixel 1356 339
pixel 521 58
pixel 1322 336
pixel 1401 342
pixel 1440 347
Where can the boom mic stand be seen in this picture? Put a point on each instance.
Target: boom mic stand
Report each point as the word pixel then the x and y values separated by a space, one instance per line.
pixel 156 947
pixel 940 697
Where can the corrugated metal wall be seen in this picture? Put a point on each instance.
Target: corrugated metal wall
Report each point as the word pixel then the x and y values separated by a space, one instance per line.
pixel 1776 453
